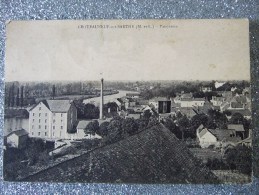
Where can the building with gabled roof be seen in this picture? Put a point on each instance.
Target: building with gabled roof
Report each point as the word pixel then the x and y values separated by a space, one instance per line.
pixel 17 139
pixel 216 137
pixel 52 119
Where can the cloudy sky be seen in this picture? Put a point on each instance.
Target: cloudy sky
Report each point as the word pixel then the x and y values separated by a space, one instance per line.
pixel 189 50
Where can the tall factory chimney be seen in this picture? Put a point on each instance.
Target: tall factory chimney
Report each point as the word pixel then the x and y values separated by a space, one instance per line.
pixel 101 100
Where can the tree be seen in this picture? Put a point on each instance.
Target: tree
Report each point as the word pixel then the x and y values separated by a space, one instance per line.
pixel 129 126
pixel 169 124
pixel 237 118
pixel 92 127
pixel 183 123
pixel 91 111
pixel 17 97
pixel 21 103
pixel 12 95
pixel 53 92
pixel 199 119
pixel 240 158
pixel 103 129
pixel 152 121
pixel 142 123
pixel 115 132
pixel 147 114
pixel 217 119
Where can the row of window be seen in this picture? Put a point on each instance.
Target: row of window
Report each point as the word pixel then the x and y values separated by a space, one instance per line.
pixel 46 120
pixel 32 127
pixel 44 133
pixel 46 114
pixel 39 133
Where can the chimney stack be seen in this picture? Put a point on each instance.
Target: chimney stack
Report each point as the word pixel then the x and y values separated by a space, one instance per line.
pixel 101 100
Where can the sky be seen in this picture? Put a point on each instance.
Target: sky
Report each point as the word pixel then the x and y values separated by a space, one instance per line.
pixel 168 50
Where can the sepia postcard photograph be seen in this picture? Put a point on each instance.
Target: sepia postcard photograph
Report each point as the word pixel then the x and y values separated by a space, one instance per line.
pixel 128 101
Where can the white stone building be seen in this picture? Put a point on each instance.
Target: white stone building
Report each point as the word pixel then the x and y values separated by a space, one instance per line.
pixel 52 119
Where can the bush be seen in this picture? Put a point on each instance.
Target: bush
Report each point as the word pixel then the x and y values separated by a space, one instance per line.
pixel 240 158
pixel 44 158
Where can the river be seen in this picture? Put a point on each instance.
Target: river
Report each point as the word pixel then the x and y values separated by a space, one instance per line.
pixel 12 124
pixel 108 98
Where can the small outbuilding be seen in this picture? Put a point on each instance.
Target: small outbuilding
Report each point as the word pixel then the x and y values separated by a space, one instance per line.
pixel 17 139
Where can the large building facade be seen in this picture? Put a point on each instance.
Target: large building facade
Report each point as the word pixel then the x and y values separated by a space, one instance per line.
pixel 52 119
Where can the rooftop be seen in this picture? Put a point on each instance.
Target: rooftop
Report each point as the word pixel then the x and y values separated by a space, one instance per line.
pixel 154 155
pixel 82 124
pixel 19 133
pixel 58 105
pixel 236 127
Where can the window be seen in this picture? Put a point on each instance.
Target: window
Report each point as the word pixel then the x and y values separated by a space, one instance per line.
pixel 46 114
pixel 45 126
pixel 39 108
pixel 39 126
pixel 39 114
pixel 32 120
pixel 31 133
pixel 38 133
pixel 53 134
pixel 39 120
pixel 61 121
pixel 45 133
pixel 61 127
pixel 54 121
pixel 33 114
pixel 61 114
pixel 45 120
pixel 32 126
pixel 54 114
pixel 53 127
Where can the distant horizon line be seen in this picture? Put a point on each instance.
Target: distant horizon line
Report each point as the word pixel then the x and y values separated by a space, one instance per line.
pixel 159 80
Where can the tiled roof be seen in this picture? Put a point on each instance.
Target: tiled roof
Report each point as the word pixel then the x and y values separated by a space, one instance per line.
pixel 154 155
pixel 19 133
pixel 244 112
pixel 58 105
pixel 189 112
pixel 236 127
pixel 82 124
pixel 192 99
pixel 222 134
pixel 156 99
pixel 186 95
pixel 203 132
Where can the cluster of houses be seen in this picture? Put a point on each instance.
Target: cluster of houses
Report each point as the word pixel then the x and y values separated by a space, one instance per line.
pixel 222 138
pixel 57 119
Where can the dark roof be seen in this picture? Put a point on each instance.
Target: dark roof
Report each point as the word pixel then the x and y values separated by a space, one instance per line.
pixel 244 112
pixel 19 133
pixel 223 134
pixel 236 105
pixel 59 105
pixel 186 95
pixel 154 155
pixel 156 99
pixel 82 124
pixel 56 105
pixel 192 99
pixel 132 94
pixel 189 112
pixel 236 127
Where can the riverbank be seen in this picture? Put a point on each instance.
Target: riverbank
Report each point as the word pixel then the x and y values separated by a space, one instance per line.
pixel 21 113
pixel 78 97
